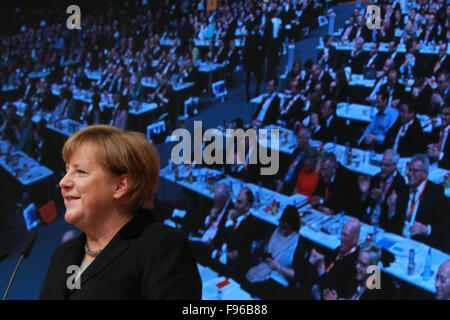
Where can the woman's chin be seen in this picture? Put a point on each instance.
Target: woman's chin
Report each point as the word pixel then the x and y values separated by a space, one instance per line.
pixel 72 217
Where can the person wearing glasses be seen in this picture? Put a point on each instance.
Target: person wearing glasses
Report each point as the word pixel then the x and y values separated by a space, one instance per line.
pixel 443 281
pixel 374 191
pixel 419 211
pixel 369 254
pixel 439 143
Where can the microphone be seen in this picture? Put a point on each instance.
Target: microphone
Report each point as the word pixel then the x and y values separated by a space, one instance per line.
pixel 23 254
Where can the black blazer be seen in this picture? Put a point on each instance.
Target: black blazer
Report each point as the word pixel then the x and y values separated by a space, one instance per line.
pixel 408 145
pixel 434 138
pixel 356 62
pixel 239 238
pixel 144 260
pixel 367 205
pixel 272 113
pixel 336 128
pixel 433 210
pixel 295 112
pixel 342 191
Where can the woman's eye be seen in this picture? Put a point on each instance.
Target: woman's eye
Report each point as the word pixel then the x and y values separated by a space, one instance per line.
pixel 80 171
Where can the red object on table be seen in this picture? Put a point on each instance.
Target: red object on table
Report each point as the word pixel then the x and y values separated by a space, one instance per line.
pixel 48 212
pixel 222 284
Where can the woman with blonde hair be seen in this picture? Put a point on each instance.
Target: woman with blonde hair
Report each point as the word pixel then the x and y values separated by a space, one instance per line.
pixel 108 189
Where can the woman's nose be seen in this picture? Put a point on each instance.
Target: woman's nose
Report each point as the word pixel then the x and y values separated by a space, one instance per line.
pixel 65 182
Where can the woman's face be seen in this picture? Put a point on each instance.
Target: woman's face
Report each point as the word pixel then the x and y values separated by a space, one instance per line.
pixel 87 188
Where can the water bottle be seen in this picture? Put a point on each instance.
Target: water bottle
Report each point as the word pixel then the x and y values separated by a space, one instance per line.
pixel 411 263
pixel 427 269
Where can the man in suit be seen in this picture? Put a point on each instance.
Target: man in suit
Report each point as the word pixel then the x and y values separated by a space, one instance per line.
pixel 357 57
pixel 269 109
pixel 327 57
pixel 374 60
pixel 333 270
pixel 430 32
pixel 321 80
pixel 386 32
pixel 212 224
pixel 441 96
pixel 395 90
pixel 234 241
pixel 328 125
pixel 373 192
pixel 336 188
pixel 420 211
pixel 288 178
pixel 442 62
pixel 405 136
pixel 292 109
pixel 394 54
pixel 438 149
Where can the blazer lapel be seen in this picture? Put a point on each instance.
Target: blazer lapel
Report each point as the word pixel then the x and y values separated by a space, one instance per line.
pixel 115 248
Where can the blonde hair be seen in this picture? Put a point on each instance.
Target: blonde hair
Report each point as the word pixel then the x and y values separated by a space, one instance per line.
pixel 121 152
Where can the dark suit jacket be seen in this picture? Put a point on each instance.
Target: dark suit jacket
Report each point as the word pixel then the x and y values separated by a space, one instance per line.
pixel 367 205
pixel 332 57
pixel 376 63
pixel 239 239
pixel 340 276
pixel 327 133
pixel 272 113
pixel 357 61
pixel 342 192
pixel 411 143
pixel 398 90
pixel 432 210
pixel 144 260
pixel 295 111
pixel 434 138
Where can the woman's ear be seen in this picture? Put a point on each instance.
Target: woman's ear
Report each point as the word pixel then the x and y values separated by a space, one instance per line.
pixel 121 186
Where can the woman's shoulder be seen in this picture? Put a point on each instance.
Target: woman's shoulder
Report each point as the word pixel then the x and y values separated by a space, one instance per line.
pixel 161 234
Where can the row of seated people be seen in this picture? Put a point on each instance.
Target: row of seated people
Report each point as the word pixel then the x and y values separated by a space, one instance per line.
pixel 395 124
pixel 225 240
pixel 384 199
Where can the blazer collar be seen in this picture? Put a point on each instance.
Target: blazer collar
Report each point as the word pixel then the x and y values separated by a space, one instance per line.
pixel 112 251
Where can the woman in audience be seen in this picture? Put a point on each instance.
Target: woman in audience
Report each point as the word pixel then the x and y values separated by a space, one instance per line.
pixel 274 276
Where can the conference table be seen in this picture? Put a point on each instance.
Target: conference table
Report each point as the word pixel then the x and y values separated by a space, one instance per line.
pixel 216 287
pixel 362 161
pixel 22 167
pixel 365 113
pixel 317 227
pixel 384 47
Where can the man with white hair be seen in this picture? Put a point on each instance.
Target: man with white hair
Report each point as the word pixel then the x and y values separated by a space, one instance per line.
pixel 375 191
pixel 420 211
pixel 334 270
